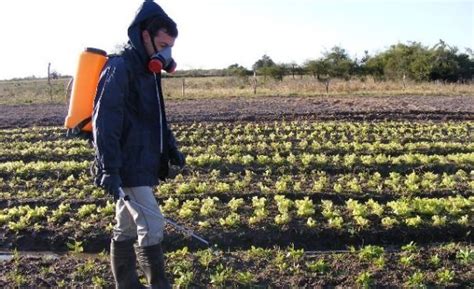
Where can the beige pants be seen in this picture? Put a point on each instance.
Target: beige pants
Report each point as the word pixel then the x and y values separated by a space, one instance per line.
pixel 134 222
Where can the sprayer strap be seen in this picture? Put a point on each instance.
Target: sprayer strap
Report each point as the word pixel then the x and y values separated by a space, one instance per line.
pixel 76 131
pixel 83 123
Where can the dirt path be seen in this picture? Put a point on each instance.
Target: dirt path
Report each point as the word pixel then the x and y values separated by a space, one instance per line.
pixel 272 108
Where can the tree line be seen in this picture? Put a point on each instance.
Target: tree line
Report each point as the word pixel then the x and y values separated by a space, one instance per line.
pixel 411 61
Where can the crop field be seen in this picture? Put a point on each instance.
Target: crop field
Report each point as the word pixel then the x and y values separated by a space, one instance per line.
pixel 287 203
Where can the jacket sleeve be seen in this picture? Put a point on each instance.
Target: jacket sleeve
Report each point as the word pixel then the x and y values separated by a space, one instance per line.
pixel 108 114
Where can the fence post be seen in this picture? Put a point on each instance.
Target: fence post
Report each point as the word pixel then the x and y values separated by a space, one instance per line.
pixel 254 82
pixel 69 86
pixel 49 82
pixel 183 87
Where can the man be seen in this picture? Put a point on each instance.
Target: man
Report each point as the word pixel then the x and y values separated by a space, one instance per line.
pixel 134 145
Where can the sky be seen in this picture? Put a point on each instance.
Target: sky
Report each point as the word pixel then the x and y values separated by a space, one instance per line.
pixel 218 33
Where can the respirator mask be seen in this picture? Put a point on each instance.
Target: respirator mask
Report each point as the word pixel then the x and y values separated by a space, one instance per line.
pixel 162 60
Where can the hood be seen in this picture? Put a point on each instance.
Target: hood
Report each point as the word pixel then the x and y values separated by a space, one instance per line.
pixel 148 9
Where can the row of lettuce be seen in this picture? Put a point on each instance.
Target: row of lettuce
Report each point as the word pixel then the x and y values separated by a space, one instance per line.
pixel 279 211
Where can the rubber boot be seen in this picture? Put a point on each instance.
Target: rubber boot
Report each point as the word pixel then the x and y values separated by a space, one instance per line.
pixel 123 261
pixel 153 265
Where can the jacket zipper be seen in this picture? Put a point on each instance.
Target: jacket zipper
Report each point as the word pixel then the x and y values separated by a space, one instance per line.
pixel 161 117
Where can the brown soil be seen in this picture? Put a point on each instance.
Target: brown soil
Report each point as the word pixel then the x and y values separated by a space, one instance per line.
pixel 271 108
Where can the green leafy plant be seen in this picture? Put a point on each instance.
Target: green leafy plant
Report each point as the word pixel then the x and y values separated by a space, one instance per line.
pixel 295 256
pixel 98 281
pixel 280 261
pixel 231 221
pixel 410 247
pixel 336 222
pixel 465 256
pixel 208 206
pixel 75 247
pixel 205 257
pixel 414 222
pixel 19 225
pixel 245 278
pixel 445 276
pixel 86 210
pixel 59 213
pixel 108 209
pixel 260 212
pixel 371 252
pixel 439 221
pixel 435 260
pixel 84 270
pixel 17 278
pixel 389 222
pixel 221 275
pixel 170 205
pixel 259 253
pixel 416 280
pixel 318 266
pixel 311 223
pixel 305 207
pixel 234 204
pixel 365 279
pixel 184 279
pixel 189 207
pixel 407 260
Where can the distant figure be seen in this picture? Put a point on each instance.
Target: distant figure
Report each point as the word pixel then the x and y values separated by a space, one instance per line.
pixel 134 145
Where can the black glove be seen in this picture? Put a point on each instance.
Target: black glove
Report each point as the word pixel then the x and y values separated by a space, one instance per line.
pixel 111 183
pixel 177 158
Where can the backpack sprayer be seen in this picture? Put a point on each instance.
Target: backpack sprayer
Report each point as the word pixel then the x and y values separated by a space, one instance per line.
pixel 91 62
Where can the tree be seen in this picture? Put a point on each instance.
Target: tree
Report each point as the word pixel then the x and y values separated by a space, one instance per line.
pixel 466 66
pixel 335 63
pixel 293 68
pixel 375 66
pixel 397 60
pixel 237 70
pixel 265 61
pixel 444 61
pixel 320 69
pixel 276 71
pixel 420 67
pixel 360 68
pixel 310 67
pixel 263 66
pixel 339 63
pixel 119 48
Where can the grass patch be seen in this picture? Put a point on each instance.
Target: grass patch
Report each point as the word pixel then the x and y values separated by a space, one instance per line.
pixel 37 91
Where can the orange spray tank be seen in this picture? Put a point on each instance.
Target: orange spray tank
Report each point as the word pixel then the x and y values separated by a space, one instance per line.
pixel 91 62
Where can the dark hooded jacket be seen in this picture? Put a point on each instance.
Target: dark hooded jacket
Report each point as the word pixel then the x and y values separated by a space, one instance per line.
pixel 131 134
